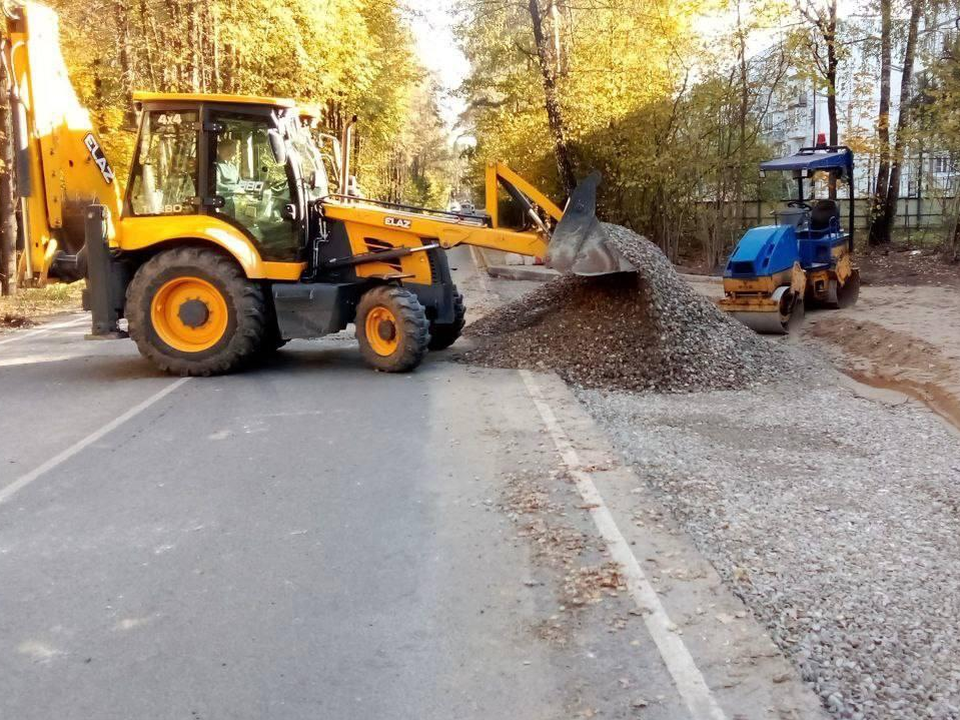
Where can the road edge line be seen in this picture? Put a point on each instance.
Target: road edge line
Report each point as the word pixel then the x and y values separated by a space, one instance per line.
pixel 10 490
pixel 687 678
pixel 43 329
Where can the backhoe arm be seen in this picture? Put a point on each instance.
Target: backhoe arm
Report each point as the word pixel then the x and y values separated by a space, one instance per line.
pixel 61 165
pixel 576 244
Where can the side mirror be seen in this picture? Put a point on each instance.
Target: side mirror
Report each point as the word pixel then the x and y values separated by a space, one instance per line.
pixel 277 146
pixel 289 212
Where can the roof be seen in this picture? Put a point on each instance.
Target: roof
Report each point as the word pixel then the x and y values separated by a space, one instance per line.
pixel 813 159
pixel 141 96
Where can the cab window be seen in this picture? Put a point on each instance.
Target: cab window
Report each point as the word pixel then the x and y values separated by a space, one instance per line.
pixel 253 186
pixel 164 180
pixel 311 164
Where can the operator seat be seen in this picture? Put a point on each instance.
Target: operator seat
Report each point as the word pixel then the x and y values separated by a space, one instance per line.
pixel 825 216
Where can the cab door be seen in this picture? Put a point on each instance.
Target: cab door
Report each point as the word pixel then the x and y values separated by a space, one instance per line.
pixel 163 179
pixel 250 187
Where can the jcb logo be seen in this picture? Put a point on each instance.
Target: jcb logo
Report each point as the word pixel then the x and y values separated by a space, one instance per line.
pixel 96 152
pixel 396 222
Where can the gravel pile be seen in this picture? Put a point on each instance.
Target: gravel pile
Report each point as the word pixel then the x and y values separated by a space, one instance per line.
pixel 648 330
pixel 836 519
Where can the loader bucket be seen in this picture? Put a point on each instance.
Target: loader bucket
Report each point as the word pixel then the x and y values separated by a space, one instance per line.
pixel 579 244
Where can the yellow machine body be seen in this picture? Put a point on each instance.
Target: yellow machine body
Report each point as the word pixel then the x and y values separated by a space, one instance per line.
pixel 61 166
pixel 144 233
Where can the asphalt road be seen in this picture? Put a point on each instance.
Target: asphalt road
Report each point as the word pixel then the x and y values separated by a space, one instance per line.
pixel 309 540
pixel 302 542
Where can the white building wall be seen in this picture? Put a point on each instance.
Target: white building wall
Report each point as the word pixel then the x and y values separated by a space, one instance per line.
pixel 798 113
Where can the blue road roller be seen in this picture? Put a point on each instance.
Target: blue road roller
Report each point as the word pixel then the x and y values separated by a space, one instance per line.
pixel 805 259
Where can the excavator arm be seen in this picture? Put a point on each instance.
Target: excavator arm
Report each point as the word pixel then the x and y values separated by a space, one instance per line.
pixel 60 163
pixel 570 240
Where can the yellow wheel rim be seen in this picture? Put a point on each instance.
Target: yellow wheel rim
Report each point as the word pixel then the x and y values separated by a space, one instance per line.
pixel 189 314
pixel 381 330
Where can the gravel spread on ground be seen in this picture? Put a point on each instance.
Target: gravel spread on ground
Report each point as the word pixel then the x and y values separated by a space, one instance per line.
pixel 643 330
pixel 835 518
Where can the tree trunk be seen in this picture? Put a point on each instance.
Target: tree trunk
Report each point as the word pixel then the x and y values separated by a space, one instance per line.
pixel 215 82
pixel 174 34
pixel 193 38
pixel 954 247
pixel 552 99
pixel 147 47
pixel 875 231
pixel 831 77
pixel 8 204
pixel 127 72
pixel 744 115
pixel 955 241
pixel 128 77
pixel 903 122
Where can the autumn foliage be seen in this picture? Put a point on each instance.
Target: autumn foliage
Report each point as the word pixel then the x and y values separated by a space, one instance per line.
pixel 347 56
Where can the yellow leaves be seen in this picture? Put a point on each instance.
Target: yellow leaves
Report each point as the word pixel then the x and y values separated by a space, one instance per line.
pixel 356 54
pixel 621 63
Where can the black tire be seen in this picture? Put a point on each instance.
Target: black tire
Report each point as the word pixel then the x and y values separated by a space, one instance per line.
pixel 408 333
pixel 272 339
pixel 848 295
pixel 443 335
pixel 267 350
pixel 246 324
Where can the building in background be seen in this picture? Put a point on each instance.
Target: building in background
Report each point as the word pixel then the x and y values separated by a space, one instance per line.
pixel 797 115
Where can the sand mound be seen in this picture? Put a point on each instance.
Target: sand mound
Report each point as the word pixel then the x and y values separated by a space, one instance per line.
pixel 648 330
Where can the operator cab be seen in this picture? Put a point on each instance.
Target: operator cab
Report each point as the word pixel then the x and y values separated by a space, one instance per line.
pixel 243 160
pixel 817 222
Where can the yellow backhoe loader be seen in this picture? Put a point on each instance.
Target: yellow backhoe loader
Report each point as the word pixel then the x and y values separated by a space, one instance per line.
pixel 228 240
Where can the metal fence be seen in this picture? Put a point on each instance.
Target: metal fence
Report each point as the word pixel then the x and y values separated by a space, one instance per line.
pixel 922 221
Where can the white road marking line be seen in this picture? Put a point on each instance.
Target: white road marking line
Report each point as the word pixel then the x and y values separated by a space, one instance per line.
pixel 10 490
pixel 686 676
pixel 35 359
pixel 44 329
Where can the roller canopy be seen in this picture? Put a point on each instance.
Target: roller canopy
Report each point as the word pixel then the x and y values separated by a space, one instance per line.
pixel 813 159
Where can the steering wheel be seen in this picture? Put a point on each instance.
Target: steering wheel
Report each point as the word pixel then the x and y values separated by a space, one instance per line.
pixel 799 204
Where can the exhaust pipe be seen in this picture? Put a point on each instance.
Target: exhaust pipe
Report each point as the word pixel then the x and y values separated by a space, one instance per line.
pixel 346 143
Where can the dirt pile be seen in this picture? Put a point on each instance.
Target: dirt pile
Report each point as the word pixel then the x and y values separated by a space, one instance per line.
pixel 12 320
pixel 643 330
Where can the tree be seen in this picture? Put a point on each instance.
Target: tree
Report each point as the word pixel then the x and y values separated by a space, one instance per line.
pixel 347 56
pixel 876 227
pixel 549 56
pixel 903 123
pixel 938 124
pixel 824 45
pixel 8 220
pixel 678 157
pixel 421 167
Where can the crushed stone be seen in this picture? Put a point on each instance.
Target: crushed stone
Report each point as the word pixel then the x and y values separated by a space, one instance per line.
pixel 647 330
pixel 836 520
